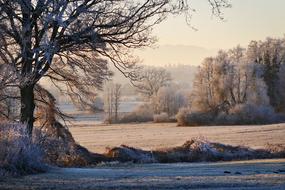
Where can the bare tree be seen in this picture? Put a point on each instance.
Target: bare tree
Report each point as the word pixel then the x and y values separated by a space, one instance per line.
pixel 8 95
pixel 117 99
pixel 151 79
pixel 71 41
pixel 108 102
pixel 112 100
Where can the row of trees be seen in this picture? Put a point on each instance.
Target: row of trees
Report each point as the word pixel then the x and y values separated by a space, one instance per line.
pixel 163 98
pixel 112 100
pixel 241 77
pixel 155 87
pixel 238 86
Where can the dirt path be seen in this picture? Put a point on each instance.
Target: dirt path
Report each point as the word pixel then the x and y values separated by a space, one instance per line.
pixel 152 136
pixel 258 174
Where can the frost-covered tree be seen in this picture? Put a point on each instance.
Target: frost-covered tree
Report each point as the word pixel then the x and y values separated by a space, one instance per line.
pixel 281 86
pixel 271 55
pixel 227 80
pixel 239 86
pixel 205 93
pixel 169 100
pixel 71 41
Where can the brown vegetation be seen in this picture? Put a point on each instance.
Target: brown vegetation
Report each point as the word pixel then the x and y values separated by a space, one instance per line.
pixel 194 150
pixel 18 154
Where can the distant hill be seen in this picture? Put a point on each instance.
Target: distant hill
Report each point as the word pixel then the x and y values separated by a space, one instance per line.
pixel 175 54
pixel 181 74
pixel 181 61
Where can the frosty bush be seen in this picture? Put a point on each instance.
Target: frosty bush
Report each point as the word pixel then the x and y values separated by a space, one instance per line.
pixel 181 117
pixel 18 154
pixel 67 153
pixel 200 118
pixel 186 117
pixel 161 118
pixel 241 114
pixel 60 148
pixel 143 113
pixel 251 114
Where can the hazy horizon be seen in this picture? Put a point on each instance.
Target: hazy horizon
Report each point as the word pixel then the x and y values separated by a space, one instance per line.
pixel 247 20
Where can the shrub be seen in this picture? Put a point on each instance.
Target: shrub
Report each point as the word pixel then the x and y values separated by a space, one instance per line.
pixel 181 117
pixel 60 148
pixel 185 117
pixel 66 154
pixel 253 114
pixel 241 114
pixel 18 154
pixel 161 118
pixel 143 113
pixel 199 118
pixel 21 156
pixel 249 114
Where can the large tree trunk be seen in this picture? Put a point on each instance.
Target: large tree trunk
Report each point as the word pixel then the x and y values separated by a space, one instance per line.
pixel 27 107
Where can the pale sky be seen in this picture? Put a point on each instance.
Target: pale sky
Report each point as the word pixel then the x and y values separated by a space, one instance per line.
pixel 247 20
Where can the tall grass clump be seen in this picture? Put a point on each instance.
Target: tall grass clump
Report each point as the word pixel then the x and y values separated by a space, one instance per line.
pixel 19 155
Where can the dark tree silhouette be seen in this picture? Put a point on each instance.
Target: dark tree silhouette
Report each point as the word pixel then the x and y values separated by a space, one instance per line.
pixel 71 41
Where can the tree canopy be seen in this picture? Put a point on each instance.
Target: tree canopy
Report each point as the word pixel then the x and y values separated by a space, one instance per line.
pixel 71 41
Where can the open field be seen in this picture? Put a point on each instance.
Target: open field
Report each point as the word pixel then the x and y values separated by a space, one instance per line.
pixel 255 174
pixel 152 136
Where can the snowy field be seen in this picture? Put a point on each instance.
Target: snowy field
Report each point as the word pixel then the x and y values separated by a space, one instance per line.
pixel 153 136
pixel 257 174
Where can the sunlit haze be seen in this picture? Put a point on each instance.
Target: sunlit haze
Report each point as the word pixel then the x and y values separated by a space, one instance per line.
pixel 247 20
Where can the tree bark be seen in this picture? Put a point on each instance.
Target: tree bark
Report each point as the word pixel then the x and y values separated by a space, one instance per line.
pixel 27 107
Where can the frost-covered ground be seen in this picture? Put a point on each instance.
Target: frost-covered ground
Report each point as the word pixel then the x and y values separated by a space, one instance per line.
pixel 151 136
pixel 256 174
